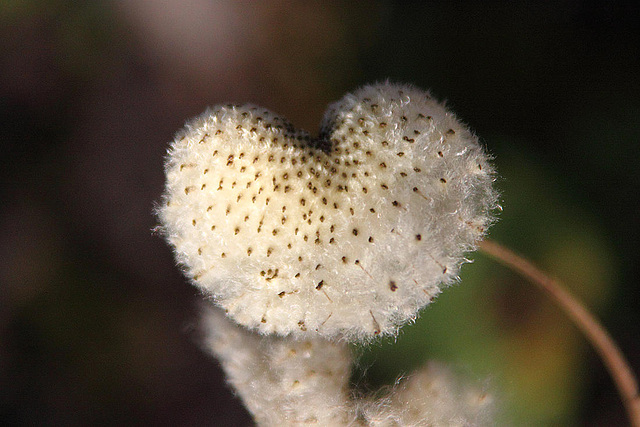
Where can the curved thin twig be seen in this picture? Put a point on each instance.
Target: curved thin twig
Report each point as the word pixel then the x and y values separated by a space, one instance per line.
pixel 609 352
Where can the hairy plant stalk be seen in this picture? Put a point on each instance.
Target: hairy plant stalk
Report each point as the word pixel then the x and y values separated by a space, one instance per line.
pixel 611 355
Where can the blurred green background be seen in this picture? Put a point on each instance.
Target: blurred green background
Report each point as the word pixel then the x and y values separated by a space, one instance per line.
pixel 96 321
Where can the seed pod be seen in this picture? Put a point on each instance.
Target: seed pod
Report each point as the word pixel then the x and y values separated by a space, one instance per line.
pixel 345 235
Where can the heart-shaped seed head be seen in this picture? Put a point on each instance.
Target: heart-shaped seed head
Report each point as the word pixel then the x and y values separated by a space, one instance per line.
pixel 348 234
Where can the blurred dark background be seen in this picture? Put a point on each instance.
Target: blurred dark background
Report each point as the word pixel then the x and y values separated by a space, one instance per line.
pixel 96 321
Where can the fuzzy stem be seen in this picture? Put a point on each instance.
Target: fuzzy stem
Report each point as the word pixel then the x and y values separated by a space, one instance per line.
pixel 609 352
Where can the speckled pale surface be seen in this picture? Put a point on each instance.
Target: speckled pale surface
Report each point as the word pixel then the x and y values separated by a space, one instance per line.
pixel 282 381
pixel 348 234
pixel 431 396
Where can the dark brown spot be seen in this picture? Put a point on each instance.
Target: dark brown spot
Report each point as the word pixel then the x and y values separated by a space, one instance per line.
pixel 393 286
